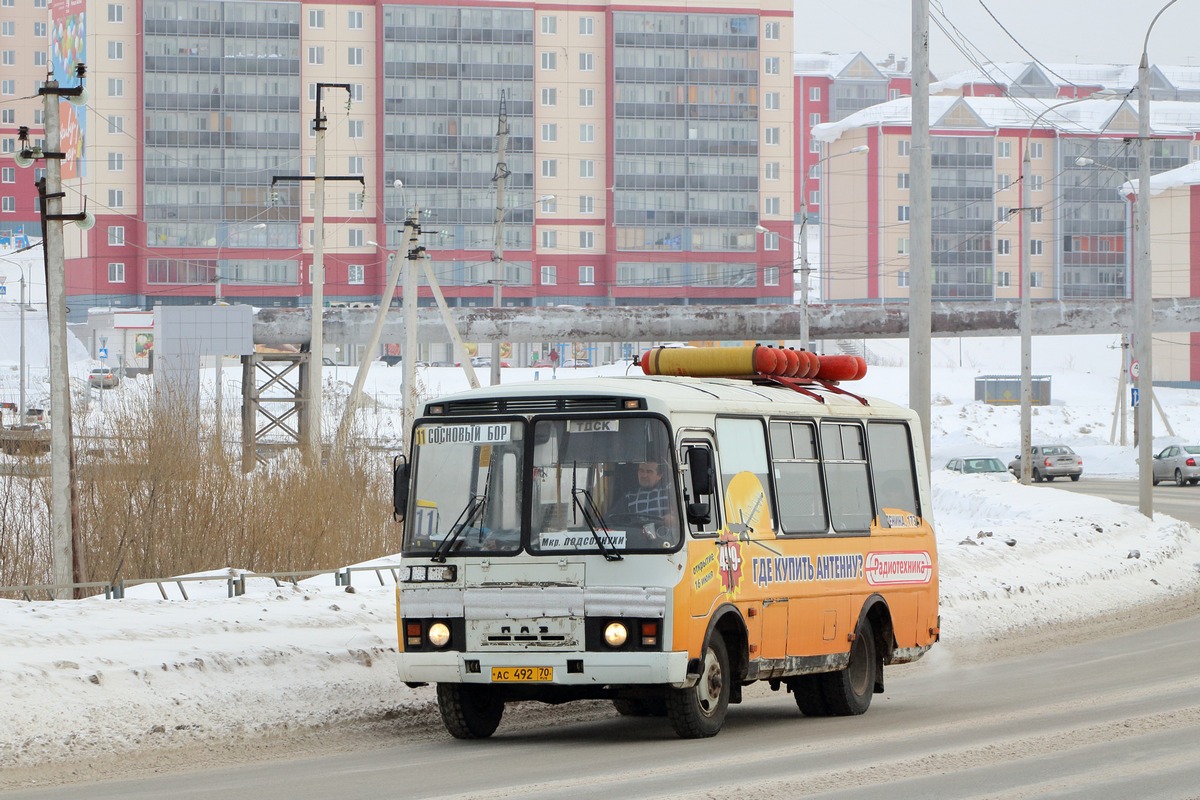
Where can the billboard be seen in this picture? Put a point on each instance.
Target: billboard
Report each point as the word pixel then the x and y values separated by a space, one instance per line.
pixel 68 47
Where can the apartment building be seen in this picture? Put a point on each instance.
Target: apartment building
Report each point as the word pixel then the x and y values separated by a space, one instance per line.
pixel 1035 79
pixel 645 146
pixel 1080 154
pixel 24 53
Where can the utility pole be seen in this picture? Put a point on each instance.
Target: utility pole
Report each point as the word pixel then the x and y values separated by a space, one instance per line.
pixel 65 553
pixel 920 292
pixel 412 231
pixel 21 371
pixel 311 417
pixel 500 177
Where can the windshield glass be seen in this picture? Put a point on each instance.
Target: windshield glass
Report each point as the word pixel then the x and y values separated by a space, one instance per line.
pixel 466 486
pixel 603 485
pixel 983 465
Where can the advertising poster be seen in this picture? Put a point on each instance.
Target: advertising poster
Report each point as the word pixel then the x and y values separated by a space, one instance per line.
pixel 68 47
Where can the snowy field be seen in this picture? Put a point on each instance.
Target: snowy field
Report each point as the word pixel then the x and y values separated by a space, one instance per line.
pixel 95 677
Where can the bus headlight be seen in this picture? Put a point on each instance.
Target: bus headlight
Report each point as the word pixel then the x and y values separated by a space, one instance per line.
pixel 439 634
pixel 615 634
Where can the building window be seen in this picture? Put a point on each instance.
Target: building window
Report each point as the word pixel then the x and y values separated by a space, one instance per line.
pixel 8 86
pixel 356 274
pixel 587 204
pixel 587 26
pixel 356 92
pixel 549 132
pixel 771 135
pixel 116 162
pixel 587 98
pixel 355 237
pixel 549 96
pixel 116 87
pixel 116 12
pixel 903 147
pixel 8 28
pixel 354 165
pixel 814 197
pixel 39 58
pixel 550 239
pixel 814 119
pixel 116 272
pixel 893 94
pixel 771 101
pixel 902 245
pixel 1035 149
pixel 1003 149
pixel 814 93
pixel 116 198
pixel 355 201
pixel 1035 214
pixel 771 276
pixel 8 116
pixel 354 56
pixel 771 171
pixel 356 128
pixel 1003 247
pixel 8 175
pixel 549 168
pixel 116 124
pixel 770 240
pixel 771 205
pixel 549 275
pixel 771 31
pixel 1002 278
pixel 316 18
pixel 902 213
pixel 8 204
pixel 316 55
pixel 587 240
pixel 1035 247
pixel 354 20
pixel 116 234
pixel 1035 280
pixel 771 65
pixel 901 180
pixel 587 276
pixel 39 30
pixel 1002 182
pixel 587 133
pixel 814 146
pixel 587 62
pixel 549 204
pixel 1002 213
pixel 549 25
pixel 116 51
pixel 587 168
pixel 549 60
pixel 1035 183
pixel 902 278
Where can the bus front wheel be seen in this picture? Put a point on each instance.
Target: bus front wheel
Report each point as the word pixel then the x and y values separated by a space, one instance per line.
pixel 469 711
pixel 699 712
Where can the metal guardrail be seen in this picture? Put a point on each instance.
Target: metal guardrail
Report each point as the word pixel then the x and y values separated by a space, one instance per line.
pixel 235 584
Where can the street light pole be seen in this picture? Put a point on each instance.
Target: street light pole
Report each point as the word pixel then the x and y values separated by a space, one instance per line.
pixel 1143 312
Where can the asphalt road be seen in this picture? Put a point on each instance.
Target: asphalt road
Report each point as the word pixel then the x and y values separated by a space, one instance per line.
pixel 1181 502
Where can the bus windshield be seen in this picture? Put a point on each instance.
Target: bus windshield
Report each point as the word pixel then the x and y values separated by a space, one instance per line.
pixel 603 485
pixel 467 489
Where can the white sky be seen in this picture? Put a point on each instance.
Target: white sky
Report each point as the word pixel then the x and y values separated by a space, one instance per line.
pixel 1054 31
pixel 96 677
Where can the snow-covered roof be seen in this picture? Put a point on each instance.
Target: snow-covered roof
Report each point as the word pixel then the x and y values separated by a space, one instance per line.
pixel 1187 175
pixel 1112 76
pixel 827 65
pixel 1088 116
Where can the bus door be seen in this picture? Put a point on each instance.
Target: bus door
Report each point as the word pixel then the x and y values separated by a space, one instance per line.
pixel 703 587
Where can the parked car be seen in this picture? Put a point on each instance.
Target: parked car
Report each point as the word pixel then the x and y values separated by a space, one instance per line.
pixel 1050 462
pixel 976 464
pixel 391 360
pixel 1179 463
pixel 103 378
pixel 577 362
pixel 485 361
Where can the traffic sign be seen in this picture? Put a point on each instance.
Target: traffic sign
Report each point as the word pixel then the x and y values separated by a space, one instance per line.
pixel 103 352
pixel 1133 397
pixel 3 290
pixel 1135 369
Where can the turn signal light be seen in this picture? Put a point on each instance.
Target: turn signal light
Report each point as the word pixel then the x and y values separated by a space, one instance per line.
pixel 649 634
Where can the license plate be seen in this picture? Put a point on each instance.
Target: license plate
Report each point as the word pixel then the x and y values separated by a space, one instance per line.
pixel 522 674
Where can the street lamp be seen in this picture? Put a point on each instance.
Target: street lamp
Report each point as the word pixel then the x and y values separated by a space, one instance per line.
pixel 804 268
pixel 1026 323
pixel 1143 288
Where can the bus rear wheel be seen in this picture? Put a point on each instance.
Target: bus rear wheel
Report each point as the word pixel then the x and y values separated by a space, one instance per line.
pixel 469 711
pixel 699 711
pixel 848 692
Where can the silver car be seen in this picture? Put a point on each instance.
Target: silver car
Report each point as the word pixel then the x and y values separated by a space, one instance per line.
pixel 1179 463
pixel 1050 462
pixel 974 464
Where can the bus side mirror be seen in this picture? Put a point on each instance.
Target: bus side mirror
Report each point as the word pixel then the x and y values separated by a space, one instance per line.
pixel 698 513
pixel 699 460
pixel 399 488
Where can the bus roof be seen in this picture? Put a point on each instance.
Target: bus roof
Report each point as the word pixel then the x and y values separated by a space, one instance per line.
pixel 668 394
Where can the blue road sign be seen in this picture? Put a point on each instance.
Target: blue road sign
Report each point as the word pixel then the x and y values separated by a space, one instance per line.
pixel 103 352
pixel 1133 397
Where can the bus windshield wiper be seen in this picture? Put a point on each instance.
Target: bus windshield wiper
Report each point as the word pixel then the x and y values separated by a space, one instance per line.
pixel 471 511
pixel 595 522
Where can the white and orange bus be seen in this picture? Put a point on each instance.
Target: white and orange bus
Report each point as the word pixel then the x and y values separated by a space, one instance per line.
pixel 664 540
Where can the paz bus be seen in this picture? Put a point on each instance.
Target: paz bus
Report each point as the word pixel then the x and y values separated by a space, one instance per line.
pixel 787 539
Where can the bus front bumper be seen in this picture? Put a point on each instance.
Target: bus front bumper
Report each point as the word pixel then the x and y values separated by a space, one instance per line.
pixel 568 669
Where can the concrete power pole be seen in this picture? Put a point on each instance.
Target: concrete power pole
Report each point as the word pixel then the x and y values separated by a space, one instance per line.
pixel 920 264
pixel 500 177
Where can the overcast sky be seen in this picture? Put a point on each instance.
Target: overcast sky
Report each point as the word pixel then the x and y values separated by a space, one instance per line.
pixel 1055 31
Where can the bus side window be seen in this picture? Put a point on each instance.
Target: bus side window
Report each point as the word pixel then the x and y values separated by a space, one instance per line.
pixel 798 477
pixel 745 474
pixel 892 467
pixel 844 459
